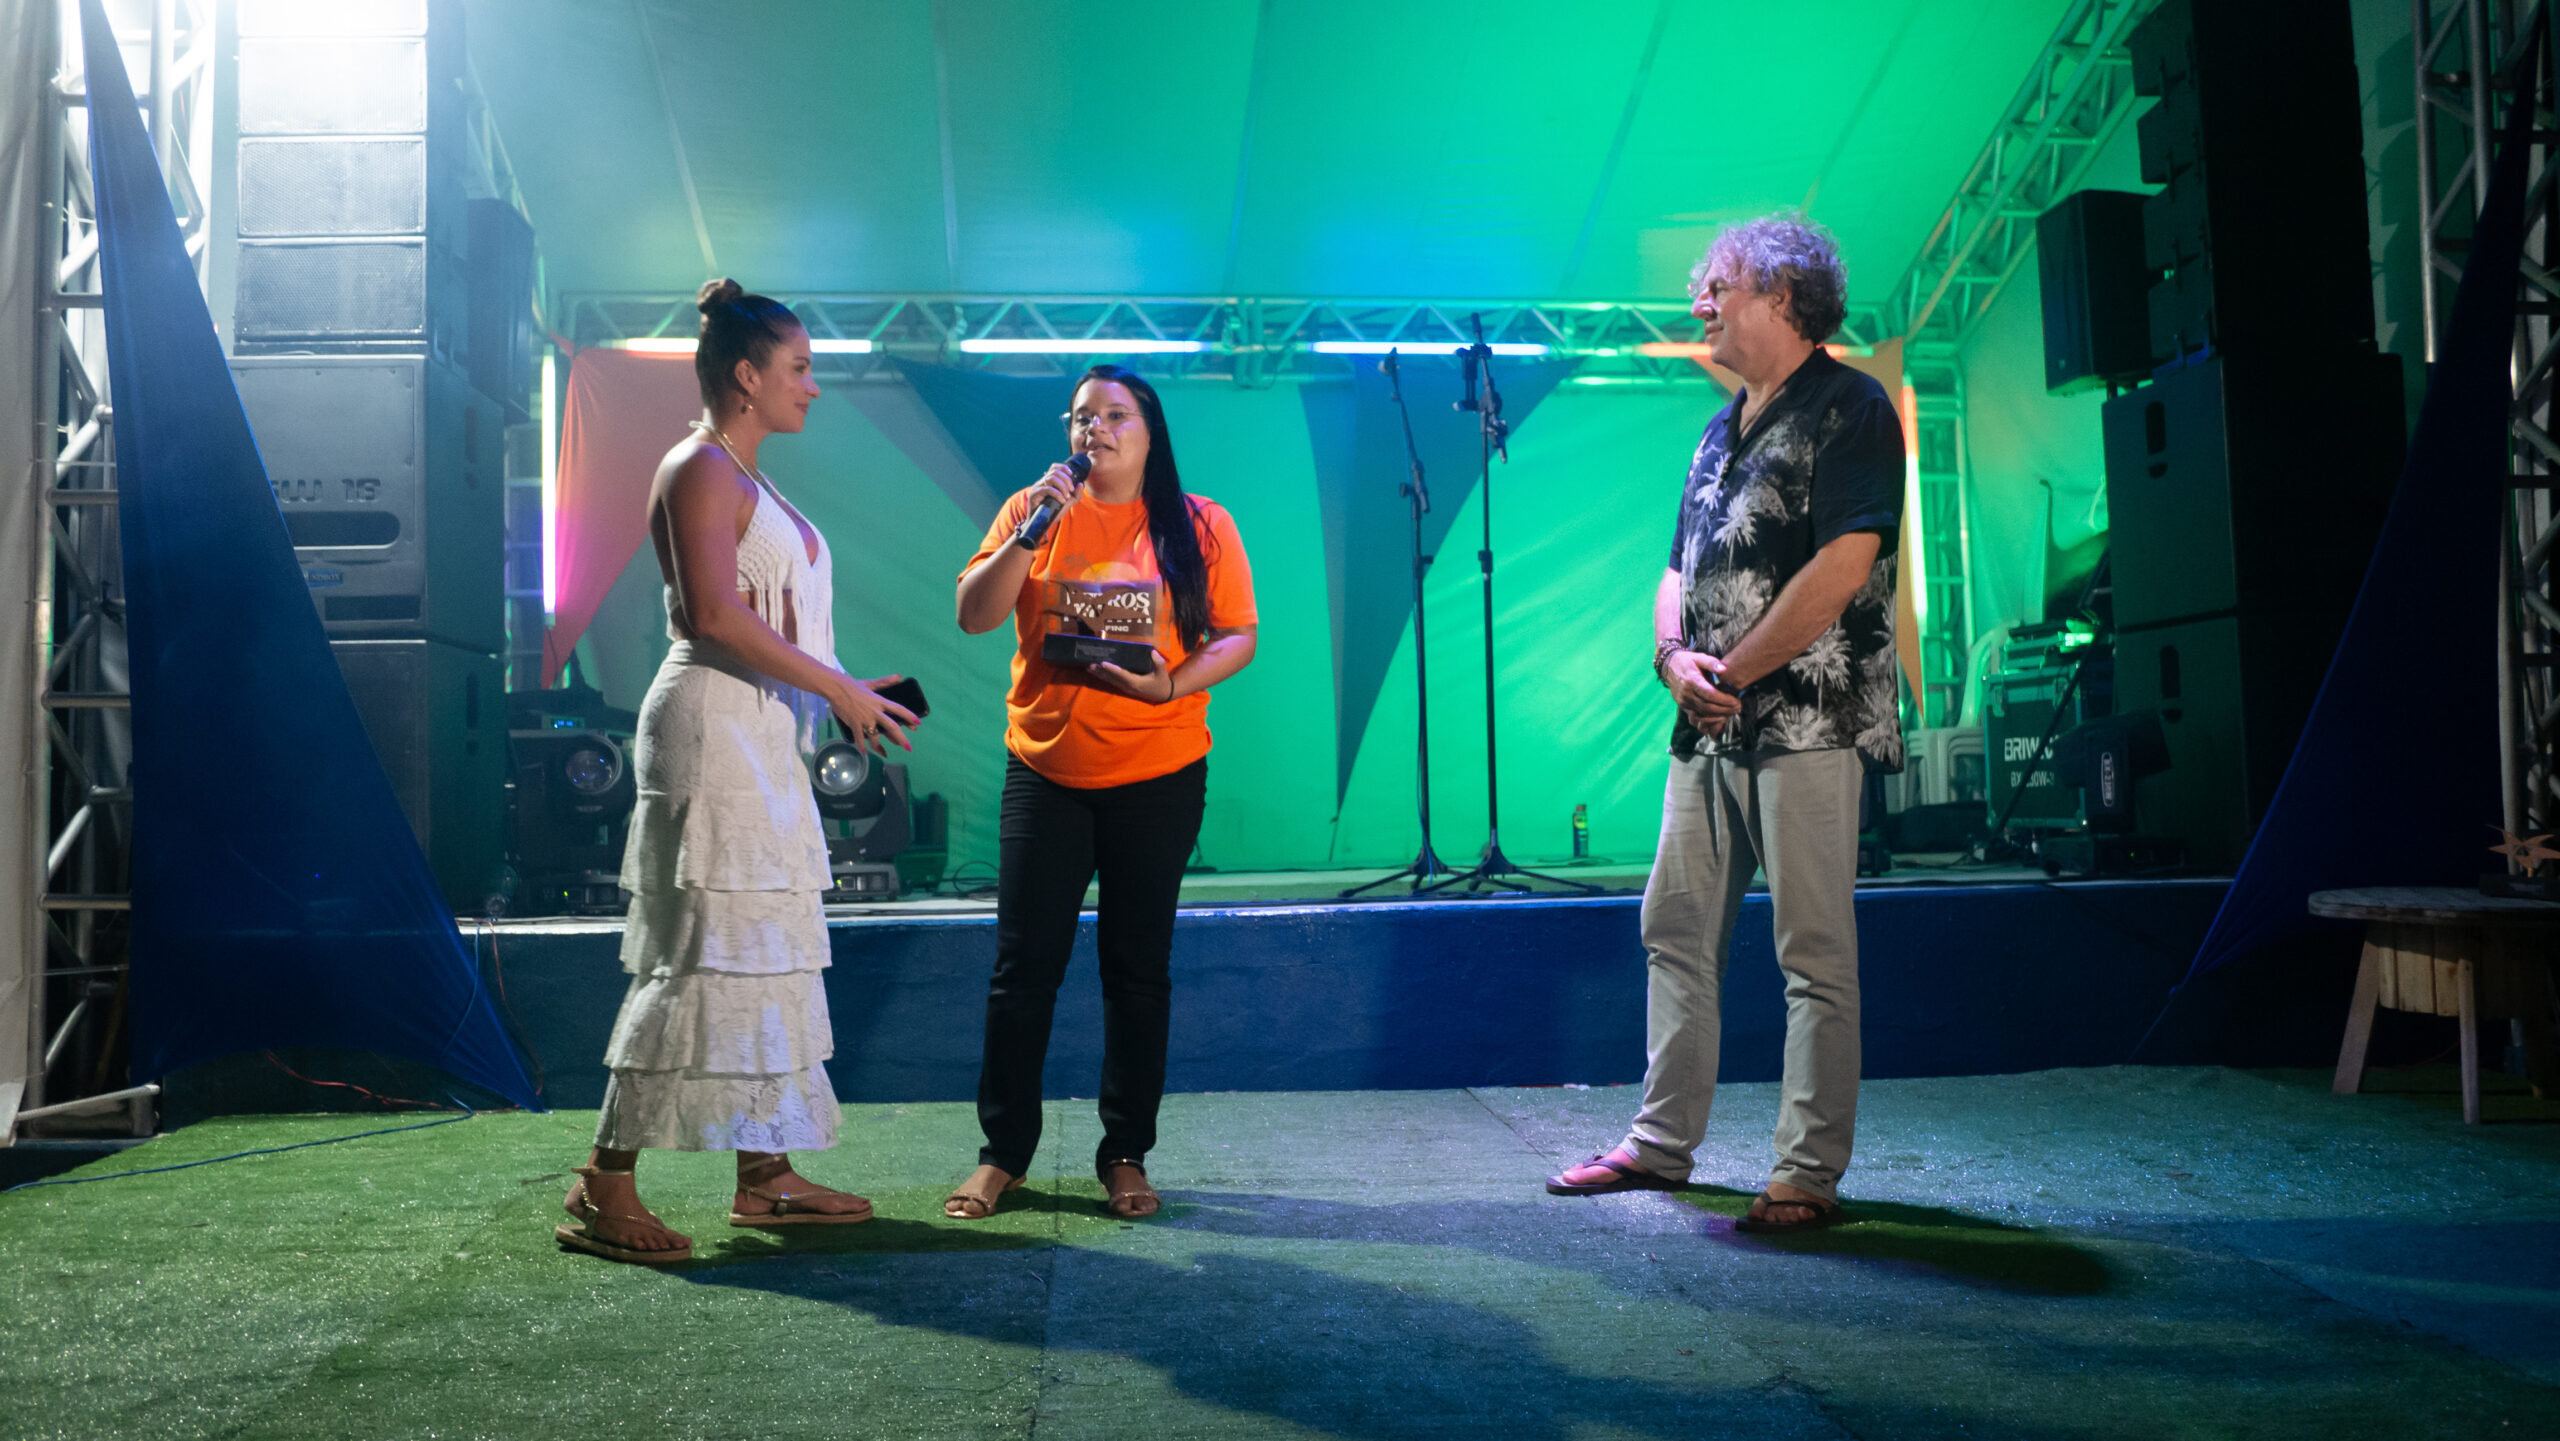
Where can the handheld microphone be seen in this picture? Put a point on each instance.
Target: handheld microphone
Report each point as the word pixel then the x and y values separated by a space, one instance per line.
pixel 1041 517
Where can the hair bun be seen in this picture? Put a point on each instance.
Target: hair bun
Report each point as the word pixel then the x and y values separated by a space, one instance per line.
pixel 717 292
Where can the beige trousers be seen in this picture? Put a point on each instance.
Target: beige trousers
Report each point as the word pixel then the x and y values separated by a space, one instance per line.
pixel 1795 815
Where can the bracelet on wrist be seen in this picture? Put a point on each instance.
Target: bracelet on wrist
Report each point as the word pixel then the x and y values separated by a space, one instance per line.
pixel 1663 650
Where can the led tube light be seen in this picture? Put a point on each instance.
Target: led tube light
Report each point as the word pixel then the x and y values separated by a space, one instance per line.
pixel 670 345
pixel 1416 347
pixel 1098 345
pixel 551 403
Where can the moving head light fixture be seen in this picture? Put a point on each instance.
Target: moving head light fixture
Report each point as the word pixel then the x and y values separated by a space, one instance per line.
pixel 867 797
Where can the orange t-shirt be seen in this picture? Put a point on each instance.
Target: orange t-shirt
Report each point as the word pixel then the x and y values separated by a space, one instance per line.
pixel 1096 574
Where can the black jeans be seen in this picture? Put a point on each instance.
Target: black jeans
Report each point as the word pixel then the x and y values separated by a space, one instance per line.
pixel 1051 841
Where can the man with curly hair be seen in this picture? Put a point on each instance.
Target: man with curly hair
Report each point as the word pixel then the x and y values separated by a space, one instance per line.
pixel 1773 631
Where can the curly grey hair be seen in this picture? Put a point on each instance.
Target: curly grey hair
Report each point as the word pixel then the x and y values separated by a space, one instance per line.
pixel 1786 251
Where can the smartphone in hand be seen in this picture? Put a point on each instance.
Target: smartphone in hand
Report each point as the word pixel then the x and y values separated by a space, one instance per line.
pixel 908 692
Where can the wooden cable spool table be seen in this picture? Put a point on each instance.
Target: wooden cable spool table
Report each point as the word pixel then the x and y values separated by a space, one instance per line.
pixel 2446 951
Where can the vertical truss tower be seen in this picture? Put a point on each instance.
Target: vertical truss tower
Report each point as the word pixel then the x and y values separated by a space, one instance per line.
pixel 2473 57
pixel 83 801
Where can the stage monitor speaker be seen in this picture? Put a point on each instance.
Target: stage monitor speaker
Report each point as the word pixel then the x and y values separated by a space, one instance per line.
pixel 436 716
pixel 2250 483
pixel 389 472
pixel 2258 145
pixel 2232 694
pixel 2089 256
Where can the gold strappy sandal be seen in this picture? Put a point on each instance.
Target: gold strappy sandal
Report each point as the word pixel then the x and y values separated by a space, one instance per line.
pixel 972 1207
pixel 1136 1203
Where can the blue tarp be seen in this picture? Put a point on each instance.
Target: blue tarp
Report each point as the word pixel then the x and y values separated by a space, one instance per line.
pixel 279 898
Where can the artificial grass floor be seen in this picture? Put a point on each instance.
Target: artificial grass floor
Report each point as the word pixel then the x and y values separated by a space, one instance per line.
pixel 2123 1252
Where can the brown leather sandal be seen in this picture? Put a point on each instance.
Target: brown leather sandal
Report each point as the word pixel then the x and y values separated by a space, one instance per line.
pixel 790 1208
pixel 1134 1204
pixel 968 1206
pixel 1758 1222
pixel 582 1237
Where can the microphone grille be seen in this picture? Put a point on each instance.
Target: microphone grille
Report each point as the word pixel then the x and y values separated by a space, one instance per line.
pixel 1081 464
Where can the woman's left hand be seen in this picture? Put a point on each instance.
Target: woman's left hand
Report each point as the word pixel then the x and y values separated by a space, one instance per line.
pixel 1156 685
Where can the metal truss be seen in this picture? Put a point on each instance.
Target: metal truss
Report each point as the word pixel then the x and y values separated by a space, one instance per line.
pixel 2077 95
pixel 1944 534
pixel 2473 58
pixel 1252 342
pixel 82 819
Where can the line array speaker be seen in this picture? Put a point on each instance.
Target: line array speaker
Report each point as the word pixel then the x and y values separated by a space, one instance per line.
pixel 2258 143
pixel 352 204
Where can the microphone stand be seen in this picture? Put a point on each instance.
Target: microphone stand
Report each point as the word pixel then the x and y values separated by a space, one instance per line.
pixel 1427 866
pixel 1491 867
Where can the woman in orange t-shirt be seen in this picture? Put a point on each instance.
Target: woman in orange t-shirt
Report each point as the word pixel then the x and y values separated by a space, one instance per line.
pixel 1107 767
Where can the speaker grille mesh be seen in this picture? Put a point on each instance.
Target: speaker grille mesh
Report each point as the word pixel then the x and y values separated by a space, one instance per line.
pixel 345 290
pixel 333 87
pixel 333 187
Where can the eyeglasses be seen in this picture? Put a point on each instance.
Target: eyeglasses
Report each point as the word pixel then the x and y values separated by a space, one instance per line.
pixel 1112 419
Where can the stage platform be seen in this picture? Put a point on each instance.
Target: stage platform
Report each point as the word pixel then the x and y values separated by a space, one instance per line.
pixel 971 891
pixel 2124 1252
pixel 1957 979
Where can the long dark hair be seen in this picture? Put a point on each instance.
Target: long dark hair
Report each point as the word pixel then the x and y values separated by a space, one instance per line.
pixel 1171 515
pixel 736 325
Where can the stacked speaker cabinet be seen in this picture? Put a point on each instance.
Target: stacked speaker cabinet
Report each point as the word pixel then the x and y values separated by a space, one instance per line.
pixel 436 715
pixel 2257 144
pixel 2247 483
pixel 381 344
pixel 390 470
pixel 352 208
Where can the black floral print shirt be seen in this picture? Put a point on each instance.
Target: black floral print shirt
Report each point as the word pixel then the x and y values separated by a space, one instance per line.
pixel 1824 460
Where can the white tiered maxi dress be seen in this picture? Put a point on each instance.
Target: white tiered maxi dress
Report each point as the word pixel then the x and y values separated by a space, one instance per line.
pixel 722 1040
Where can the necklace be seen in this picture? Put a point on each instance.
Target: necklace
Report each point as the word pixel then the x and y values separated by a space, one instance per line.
pixel 809 533
pixel 707 428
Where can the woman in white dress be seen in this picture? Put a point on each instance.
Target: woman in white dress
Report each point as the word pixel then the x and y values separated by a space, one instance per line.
pixel 722 1040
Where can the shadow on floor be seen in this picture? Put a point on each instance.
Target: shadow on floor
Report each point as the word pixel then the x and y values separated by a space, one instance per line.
pixel 1315 1349
pixel 1927 1239
pixel 885 1236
